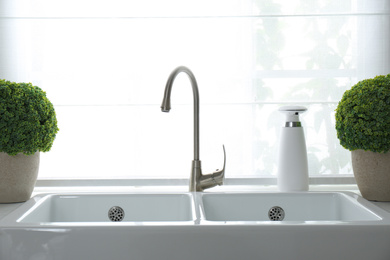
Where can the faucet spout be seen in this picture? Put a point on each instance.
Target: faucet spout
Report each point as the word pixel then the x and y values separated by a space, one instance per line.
pixel 166 104
pixel 198 182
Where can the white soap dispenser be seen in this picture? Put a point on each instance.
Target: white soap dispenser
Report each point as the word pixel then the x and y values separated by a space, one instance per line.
pixel 292 160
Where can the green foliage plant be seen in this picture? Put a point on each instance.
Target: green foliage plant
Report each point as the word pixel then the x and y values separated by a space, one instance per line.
pixel 363 116
pixel 28 122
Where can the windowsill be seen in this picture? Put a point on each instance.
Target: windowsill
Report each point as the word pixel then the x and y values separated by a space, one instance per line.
pixel 182 188
pixel 6 208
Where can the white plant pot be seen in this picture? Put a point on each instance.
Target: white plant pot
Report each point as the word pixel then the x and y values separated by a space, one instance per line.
pixel 372 174
pixel 18 175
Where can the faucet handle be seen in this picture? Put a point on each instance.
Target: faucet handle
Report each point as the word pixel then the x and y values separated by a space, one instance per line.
pixel 217 171
pixel 213 179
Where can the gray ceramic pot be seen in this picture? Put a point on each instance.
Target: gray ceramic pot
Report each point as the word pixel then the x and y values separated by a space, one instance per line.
pixel 18 175
pixel 372 174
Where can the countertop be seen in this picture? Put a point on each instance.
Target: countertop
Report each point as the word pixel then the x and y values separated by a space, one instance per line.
pixel 6 208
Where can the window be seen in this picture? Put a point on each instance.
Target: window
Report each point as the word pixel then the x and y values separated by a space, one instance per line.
pixel 104 65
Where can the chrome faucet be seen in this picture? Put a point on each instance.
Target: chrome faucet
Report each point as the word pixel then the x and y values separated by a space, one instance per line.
pixel 198 181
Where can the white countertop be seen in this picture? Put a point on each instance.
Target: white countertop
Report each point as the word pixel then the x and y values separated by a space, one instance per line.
pixel 6 208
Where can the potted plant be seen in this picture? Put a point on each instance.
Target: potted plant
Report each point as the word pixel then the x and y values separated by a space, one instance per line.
pixel 363 127
pixel 28 125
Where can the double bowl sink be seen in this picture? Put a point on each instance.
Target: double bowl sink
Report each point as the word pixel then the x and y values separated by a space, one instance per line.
pixel 258 225
pixel 196 208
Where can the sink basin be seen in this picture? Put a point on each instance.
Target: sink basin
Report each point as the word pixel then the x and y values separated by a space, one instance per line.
pixel 295 207
pixel 96 208
pixel 192 226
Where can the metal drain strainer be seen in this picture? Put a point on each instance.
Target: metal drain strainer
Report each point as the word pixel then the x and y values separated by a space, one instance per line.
pixel 116 213
pixel 276 213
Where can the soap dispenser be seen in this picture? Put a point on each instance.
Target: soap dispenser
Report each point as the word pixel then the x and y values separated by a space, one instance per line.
pixel 292 158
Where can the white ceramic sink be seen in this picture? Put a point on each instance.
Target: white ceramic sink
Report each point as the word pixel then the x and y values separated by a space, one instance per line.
pixel 192 226
pixel 296 207
pixel 95 208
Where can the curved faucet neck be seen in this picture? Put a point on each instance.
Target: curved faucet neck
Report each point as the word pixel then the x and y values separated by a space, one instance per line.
pixel 166 104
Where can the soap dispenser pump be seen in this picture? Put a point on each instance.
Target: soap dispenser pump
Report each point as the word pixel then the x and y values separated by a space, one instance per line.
pixel 292 160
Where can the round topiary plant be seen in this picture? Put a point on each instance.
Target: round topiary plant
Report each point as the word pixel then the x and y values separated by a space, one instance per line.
pixel 28 122
pixel 363 116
